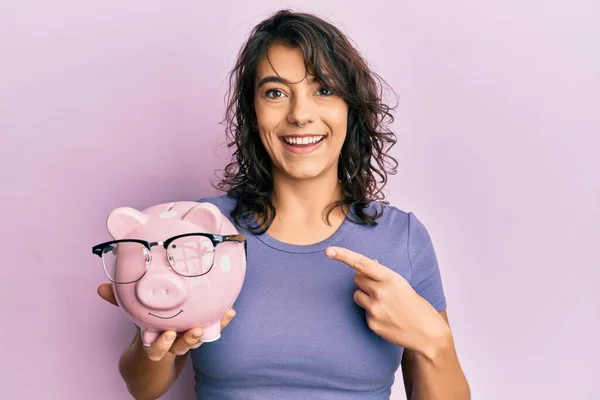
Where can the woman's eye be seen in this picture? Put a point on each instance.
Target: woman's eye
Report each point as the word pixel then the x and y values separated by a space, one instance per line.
pixel 274 93
pixel 325 91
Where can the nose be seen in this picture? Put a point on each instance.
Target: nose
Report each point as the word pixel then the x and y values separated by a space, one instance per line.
pixel 301 111
pixel 161 291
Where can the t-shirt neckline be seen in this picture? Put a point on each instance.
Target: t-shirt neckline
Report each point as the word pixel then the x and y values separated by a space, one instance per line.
pixel 270 241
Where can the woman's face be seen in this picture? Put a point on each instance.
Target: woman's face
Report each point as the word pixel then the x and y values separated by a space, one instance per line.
pixel 302 124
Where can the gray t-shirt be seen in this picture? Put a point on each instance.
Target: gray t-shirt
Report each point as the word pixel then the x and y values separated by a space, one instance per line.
pixel 298 333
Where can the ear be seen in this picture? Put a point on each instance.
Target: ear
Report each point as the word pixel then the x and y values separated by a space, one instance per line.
pixel 123 220
pixel 206 215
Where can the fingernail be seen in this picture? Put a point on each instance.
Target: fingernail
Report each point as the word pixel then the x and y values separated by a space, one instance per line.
pixel 330 252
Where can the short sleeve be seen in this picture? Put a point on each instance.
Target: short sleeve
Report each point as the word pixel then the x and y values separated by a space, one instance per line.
pixel 425 279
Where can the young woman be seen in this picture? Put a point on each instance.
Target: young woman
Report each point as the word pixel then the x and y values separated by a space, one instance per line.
pixel 342 289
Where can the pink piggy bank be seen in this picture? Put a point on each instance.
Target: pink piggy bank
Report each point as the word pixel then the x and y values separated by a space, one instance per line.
pixel 174 266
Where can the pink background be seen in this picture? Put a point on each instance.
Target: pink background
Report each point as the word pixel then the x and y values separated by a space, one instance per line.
pixel 111 103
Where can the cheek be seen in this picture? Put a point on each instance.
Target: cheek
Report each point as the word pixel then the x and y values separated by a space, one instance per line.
pixel 269 116
pixel 267 120
pixel 337 119
pixel 267 141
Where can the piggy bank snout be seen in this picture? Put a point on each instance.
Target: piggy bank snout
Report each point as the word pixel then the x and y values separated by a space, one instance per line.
pixel 161 291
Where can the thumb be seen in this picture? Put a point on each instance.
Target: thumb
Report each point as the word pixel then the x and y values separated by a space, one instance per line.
pixel 106 292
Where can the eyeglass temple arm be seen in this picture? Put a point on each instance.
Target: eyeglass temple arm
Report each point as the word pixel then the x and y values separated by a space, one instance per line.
pixel 235 238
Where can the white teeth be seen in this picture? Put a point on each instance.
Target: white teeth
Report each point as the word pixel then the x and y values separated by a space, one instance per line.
pixel 303 140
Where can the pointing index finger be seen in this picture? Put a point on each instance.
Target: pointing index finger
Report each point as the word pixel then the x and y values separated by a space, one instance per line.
pixel 358 262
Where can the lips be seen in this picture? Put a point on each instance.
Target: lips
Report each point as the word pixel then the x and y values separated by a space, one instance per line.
pixel 302 144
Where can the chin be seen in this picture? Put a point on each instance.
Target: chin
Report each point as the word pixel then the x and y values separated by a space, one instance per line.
pixel 305 173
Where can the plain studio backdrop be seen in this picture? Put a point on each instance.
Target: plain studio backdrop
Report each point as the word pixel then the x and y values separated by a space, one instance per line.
pixel 113 103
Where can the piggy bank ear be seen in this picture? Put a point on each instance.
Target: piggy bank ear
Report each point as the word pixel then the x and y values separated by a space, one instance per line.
pixel 123 220
pixel 205 215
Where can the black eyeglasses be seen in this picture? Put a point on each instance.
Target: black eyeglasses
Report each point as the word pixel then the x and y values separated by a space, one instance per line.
pixel 189 254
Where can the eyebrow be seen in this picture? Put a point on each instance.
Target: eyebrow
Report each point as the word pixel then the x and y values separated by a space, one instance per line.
pixel 278 79
pixel 272 79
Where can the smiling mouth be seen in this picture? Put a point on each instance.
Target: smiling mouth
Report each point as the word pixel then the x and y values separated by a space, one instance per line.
pixel 173 316
pixel 302 141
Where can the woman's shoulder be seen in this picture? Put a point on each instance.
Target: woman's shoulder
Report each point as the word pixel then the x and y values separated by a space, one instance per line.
pixel 396 220
pixel 388 213
pixel 223 201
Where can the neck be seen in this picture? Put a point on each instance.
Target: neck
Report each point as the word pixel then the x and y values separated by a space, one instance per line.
pixel 301 206
pixel 305 201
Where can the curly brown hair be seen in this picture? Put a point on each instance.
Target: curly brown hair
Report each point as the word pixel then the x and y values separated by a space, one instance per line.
pixel 364 162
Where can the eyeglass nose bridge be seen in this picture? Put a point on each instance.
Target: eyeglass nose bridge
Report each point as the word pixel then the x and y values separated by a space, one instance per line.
pixel 169 257
pixel 171 260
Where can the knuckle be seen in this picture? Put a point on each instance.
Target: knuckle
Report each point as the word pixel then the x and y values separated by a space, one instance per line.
pixel 360 264
pixel 194 338
pixel 373 324
pixel 379 293
pixel 376 310
pixel 227 318
pixel 196 334
pixel 190 341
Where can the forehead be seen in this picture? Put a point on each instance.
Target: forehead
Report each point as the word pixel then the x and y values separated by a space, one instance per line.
pixel 283 61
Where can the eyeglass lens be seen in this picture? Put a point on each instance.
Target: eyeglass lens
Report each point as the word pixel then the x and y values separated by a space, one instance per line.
pixel 126 261
pixel 191 255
